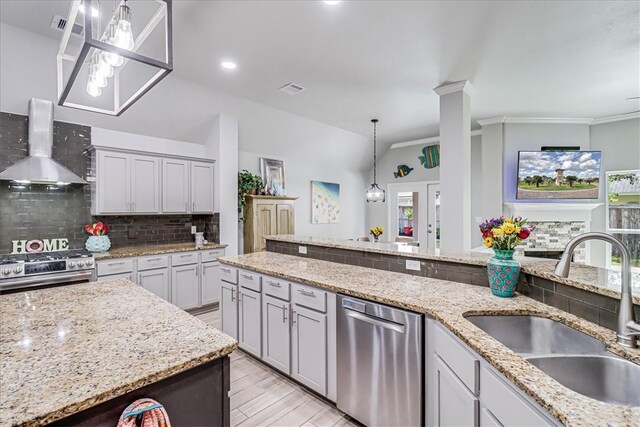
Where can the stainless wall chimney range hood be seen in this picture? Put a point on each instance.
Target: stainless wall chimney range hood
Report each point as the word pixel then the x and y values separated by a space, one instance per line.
pixel 39 167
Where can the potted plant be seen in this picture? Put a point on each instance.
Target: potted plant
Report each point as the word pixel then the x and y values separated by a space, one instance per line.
pixel 503 235
pixel 376 232
pixel 248 183
pixel 98 241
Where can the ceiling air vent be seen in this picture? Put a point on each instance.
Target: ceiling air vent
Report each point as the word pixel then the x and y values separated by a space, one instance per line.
pixel 292 88
pixel 59 23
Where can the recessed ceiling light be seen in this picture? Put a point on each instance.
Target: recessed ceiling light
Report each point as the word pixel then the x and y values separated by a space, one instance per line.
pixel 332 2
pixel 229 65
pixel 94 12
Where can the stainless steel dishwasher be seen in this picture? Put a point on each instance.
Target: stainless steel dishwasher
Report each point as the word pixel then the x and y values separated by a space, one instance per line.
pixel 380 372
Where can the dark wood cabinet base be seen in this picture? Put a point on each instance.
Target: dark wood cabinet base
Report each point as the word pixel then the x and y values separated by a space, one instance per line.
pixel 197 397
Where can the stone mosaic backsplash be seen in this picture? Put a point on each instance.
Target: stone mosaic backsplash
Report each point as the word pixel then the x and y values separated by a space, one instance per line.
pixel 554 235
pixel 45 212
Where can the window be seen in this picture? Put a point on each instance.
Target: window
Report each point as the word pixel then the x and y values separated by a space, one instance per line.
pixel 623 213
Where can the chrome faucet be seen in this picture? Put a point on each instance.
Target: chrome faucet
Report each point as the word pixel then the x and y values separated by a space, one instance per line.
pixel 628 327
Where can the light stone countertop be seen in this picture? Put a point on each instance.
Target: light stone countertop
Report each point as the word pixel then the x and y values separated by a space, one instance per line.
pixel 69 348
pixel 135 251
pixel 449 302
pixel 594 279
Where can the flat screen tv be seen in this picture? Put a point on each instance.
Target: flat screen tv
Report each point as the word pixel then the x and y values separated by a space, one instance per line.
pixel 550 175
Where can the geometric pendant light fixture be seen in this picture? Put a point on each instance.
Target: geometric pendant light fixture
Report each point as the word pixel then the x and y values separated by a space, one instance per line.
pixel 113 52
pixel 375 193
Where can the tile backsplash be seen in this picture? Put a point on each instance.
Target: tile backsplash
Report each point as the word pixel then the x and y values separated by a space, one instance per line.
pixel 554 235
pixel 44 212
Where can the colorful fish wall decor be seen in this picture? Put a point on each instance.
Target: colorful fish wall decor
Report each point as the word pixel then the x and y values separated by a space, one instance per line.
pixel 403 170
pixel 430 156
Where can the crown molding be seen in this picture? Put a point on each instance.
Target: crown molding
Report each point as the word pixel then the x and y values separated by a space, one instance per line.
pixel 427 140
pixel 549 120
pixel 464 86
pixel 617 118
pixel 492 120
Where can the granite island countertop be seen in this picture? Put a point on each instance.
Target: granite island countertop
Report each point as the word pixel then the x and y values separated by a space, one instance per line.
pixel 66 349
pixel 135 251
pixel 449 303
pixel 602 281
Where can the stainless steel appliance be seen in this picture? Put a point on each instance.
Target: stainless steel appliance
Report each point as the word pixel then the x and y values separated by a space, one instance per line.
pixel 380 363
pixel 45 269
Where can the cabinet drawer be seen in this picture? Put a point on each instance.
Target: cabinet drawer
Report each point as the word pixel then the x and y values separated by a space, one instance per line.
pixel 309 297
pixel 504 403
pixel 249 280
pixel 459 359
pixel 212 255
pixel 114 267
pixel 184 259
pixel 276 288
pixel 229 274
pixel 151 262
pixel 128 276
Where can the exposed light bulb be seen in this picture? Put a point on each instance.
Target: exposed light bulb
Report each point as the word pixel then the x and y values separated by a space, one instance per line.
pixel 96 79
pixel 103 69
pixel 123 37
pixel 113 59
pixel 93 90
pixel 229 65
pixel 94 12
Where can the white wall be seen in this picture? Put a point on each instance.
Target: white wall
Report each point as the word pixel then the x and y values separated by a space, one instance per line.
pixel 388 164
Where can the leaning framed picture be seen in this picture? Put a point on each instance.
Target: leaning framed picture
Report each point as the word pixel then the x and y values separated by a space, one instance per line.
pixel 272 172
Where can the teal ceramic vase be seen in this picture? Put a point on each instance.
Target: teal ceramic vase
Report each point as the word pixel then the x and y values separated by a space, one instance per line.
pixel 98 244
pixel 504 273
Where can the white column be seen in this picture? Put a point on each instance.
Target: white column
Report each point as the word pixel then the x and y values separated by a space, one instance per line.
pixel 455 166
pixel 222 144
pixel 491 192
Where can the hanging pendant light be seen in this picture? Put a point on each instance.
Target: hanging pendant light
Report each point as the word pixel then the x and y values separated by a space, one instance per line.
pixel 119 74
pixel 375 193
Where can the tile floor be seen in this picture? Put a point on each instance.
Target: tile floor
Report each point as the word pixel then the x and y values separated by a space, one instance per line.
pixel 261 396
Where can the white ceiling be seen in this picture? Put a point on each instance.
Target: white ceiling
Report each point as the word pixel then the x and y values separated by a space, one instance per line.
pixel 364 59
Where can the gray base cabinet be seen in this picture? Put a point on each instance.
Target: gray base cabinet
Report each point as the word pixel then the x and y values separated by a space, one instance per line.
pixel 462 389
pixel 276 333
pixel 185 289
pixel 250 321
pixel 156 281
pixel 309 348
pixel 229 309
pixel 210 292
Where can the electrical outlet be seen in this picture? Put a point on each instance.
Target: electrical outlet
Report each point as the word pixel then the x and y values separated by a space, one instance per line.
pixel 193 229
pixel 413 265
pixel 302 250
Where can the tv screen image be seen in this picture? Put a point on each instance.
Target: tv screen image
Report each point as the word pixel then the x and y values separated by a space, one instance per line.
pixel 558 174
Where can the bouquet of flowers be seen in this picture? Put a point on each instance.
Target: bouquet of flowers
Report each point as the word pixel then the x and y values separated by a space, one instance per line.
pixel 97 229
pixel 376 232
pixel 504 233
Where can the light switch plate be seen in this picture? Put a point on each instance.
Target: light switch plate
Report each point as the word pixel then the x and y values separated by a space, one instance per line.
pixel 302 250
pixel 193 229
pixel 413 265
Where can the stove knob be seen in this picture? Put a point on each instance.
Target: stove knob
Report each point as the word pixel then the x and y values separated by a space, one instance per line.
pixel 17 270
pixel 89 262
pixel 80 264
pixel 6 271
pixel 71 264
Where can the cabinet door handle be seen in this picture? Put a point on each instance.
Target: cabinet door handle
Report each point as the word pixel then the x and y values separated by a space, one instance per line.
pixel 226 270
pixel 284 314
pixel 274 284
pixel 247 276
pixel 184 256
pixel 116 263
pixel 307 293
pixel 185 206
pixel 293 317
pixel 203 270
pixel 193 206
pixel 154 259
pixel 232 293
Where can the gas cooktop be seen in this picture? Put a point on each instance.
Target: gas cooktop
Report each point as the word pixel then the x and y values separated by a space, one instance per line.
pixel 44 256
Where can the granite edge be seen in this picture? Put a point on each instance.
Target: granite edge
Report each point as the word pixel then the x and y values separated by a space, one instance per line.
pixel 136 251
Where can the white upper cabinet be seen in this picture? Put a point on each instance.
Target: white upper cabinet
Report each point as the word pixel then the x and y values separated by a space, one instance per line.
pixel 113 178
pixel 201 187
pixel 175 185
pixel 145 184
pixel 128 182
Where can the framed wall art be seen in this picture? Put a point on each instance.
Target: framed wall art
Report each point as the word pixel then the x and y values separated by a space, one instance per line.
pixel 272 172
pixel 325 202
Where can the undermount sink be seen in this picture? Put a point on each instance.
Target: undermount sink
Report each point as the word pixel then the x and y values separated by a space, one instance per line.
pixel 573 358
pixel 531 335
pixel 605 378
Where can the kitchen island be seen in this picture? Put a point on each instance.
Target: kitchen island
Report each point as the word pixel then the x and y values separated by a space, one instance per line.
pixel 450 304
pixel 78 355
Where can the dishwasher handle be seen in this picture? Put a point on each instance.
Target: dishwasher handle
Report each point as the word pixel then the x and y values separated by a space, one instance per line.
pixel 383 323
